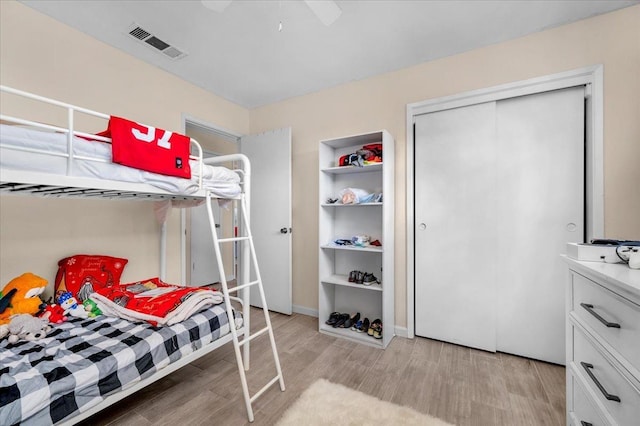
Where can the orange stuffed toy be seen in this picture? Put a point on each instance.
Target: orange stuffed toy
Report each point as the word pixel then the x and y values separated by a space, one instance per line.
pixel 23 292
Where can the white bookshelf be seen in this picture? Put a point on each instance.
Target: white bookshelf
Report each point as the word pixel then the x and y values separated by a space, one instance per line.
pixel 340 221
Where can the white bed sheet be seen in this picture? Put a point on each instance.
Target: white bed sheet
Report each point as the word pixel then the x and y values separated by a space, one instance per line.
pixel 222 182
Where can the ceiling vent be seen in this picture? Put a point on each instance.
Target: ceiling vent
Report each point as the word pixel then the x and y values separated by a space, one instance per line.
pixel 155 43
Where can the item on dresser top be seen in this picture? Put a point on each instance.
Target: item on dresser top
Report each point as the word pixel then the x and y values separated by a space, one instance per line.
pixel 154 301
pixel 607 242
pixel 593 252
pixel 629 255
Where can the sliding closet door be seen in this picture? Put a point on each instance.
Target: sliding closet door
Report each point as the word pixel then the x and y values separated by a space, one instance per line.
pixel 540 208
pixel 455 237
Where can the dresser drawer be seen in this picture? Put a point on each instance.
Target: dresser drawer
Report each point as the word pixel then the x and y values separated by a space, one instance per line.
pixel 584 411
pixel 623 400
pixel 615 319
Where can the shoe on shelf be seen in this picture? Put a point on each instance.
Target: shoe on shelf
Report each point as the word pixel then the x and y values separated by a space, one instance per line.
pixel 352 320
pixel 369 279
pixel 333 318
pixel 364 327
pixel 359 277
pixel 357 326
pixel 352 276
pixel 375 329
pixel 341 320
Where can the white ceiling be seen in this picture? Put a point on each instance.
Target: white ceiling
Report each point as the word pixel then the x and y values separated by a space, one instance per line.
pixel 240 55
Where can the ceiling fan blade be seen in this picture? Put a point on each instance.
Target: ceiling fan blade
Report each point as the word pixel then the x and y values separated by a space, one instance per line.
pixel 326 10
pixel 216 5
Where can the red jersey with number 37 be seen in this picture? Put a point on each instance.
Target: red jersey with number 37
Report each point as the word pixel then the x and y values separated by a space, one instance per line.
pixel 148 148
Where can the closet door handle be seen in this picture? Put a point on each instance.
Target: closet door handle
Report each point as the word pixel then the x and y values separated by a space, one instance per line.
pixel 588 367
pixel 589 309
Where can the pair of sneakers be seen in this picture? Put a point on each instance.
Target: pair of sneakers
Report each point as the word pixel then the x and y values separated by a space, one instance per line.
pixel 340 320
pixel 373 329
pixel 365 278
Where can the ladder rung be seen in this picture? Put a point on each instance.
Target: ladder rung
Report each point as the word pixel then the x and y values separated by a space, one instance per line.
pixel 267 386
pixel 226 240
pixel 240 287
pixel 253 336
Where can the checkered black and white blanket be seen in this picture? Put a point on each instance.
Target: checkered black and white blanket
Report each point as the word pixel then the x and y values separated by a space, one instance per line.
pixel 82 361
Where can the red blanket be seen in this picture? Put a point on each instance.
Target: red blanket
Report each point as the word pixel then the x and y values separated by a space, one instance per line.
pixel 148 148
pixel 154 301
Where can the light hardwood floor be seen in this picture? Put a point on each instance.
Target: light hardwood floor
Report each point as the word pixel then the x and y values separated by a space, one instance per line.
pixel 457 384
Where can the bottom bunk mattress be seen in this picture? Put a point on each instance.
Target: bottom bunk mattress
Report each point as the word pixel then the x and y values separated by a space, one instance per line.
pixel 82 361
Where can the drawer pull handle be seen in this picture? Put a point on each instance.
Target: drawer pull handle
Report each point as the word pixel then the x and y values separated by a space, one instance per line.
pixel 589 309
pixel 587 367
pixel 583 423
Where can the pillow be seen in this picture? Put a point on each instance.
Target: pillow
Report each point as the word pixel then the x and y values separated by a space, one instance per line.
pixel 82 274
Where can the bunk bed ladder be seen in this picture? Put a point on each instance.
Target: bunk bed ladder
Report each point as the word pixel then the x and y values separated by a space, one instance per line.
pixel 247 238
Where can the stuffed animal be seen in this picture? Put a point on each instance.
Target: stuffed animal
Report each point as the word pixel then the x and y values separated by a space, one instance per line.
pixel 53 313
pixel 27 327
pixel 70 306
pixel 23 292
pixel 92 308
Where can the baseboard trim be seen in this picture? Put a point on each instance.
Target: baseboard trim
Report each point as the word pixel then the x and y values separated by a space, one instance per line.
pixel 305 311
pixel 401 332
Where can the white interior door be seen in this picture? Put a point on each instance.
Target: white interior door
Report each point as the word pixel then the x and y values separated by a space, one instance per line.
pixel 204 268
pixel 270 156
pixel 499 193
pixel 540 208
pixel 456 226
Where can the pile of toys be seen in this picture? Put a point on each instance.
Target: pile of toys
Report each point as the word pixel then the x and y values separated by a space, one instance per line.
pixel 24 316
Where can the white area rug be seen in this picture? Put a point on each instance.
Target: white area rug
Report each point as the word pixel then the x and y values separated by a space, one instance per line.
pixel 326 403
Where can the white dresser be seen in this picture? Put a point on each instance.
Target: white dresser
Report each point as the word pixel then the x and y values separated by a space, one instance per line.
pixel 603 344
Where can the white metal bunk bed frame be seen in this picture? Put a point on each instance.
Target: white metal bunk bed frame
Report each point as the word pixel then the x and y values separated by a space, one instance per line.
pixel 62 186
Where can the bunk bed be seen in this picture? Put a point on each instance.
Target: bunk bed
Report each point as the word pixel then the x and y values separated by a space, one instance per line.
pixel 68 376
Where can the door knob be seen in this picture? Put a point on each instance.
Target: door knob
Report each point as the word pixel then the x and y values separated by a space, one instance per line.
pixel 571 227
pixel 422 226
pixel 283 230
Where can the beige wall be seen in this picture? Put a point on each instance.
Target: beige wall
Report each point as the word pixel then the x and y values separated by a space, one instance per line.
pixel 380 102
pixel 56 61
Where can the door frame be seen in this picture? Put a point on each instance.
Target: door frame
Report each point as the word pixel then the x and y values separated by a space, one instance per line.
pixel 592 77
pixel 187 119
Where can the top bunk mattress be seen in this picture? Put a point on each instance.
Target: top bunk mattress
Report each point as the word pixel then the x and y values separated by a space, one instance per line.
pixel 36 151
